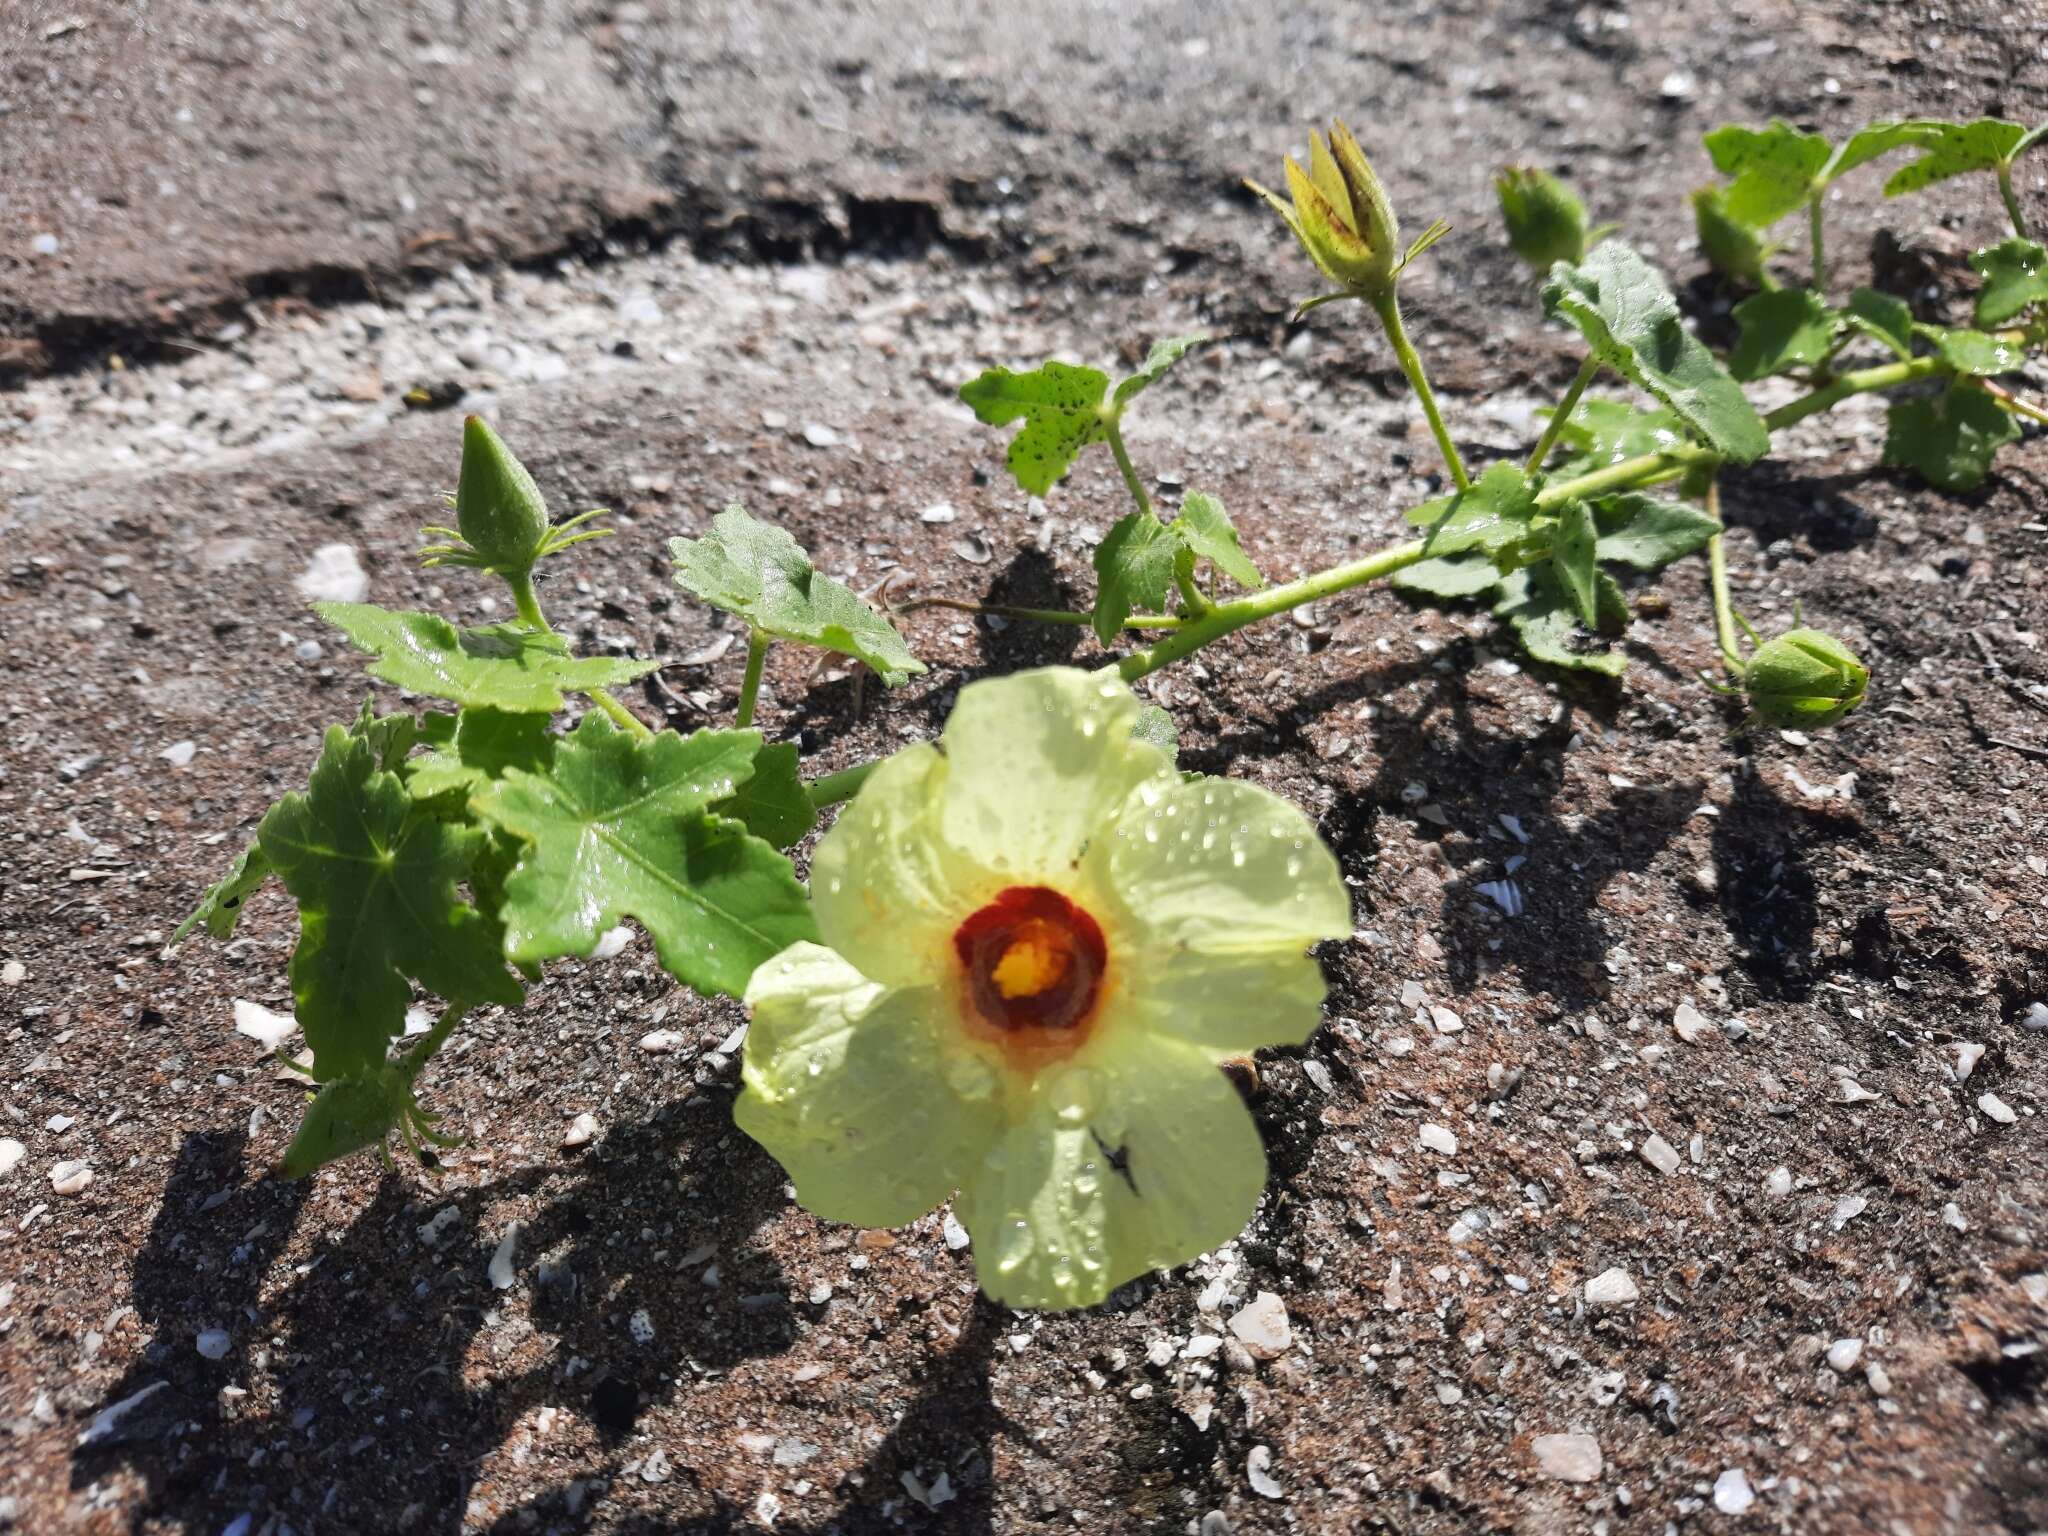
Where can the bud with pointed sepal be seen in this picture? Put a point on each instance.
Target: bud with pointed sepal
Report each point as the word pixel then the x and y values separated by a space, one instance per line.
pixel 501 518
pixel 1545 219
pixel 1340 213
pixel 1804 678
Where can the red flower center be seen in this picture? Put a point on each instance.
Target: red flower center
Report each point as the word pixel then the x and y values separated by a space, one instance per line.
pixel 1032 964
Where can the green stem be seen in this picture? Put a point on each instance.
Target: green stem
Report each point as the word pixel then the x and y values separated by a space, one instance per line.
pixel 2012 202
pixel 1820 265
pixel 1717 580
pixel 1387 305
pixel 1221 620
pixel 843 785
pixel 1035 615
pixel 1190 595
pixel 527 603
pixel 434 1039
pixel 1562 414
pixel 750 685
pixel 1861 381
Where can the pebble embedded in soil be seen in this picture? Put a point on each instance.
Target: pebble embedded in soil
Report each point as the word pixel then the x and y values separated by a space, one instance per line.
pixel 1732 1493
pixel 213 1344
pixel 71 1177
pixel 11 1154
pixel 1258 1471
pixel 1438 1139
pixel 1262 1327
pixel 1996 1108
pixel 334 575
pixel 1843 1355
pixel 580 1130
pixel 1660 1155
pixel 1611 1288
pixel 1568 1458
pixel 1690 1025
pixel 267 1029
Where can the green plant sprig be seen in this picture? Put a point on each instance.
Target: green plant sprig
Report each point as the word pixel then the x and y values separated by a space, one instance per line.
pixel 460 852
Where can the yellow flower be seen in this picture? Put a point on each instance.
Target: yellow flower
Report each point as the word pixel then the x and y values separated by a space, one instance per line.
pixel 1040 941
pixel 1340 214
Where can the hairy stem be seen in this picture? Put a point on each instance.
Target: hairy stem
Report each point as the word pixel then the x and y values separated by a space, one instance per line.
pixel 526 602
pixel 1717 580
pixel 1860 382
pixel 1820 264
pixel 1387 305
pixel 2012 202
pixel 1035 615
pixel 1190 594
pixel 434 1039
pixel 1562 414
pixel 750 685
pixel 843 785
pixel 1221 620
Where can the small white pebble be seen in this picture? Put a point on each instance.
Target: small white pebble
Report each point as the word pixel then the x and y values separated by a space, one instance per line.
pixel 72 1177
pixel 1996 1108
pixel 213 1344
pixel 662 1041
pixel 500 1272
pixel 1732 1493
pixel 11 1154
pixel 1843 1355
pixel 1660 1154
pixel 1438 1138
pixel 1779 1183
pixel 1611 1288
pixel 1261 1325
pixel 641 1326
pixel 1568 1458
pixel 1258 1471
pixel 1690 1025
pixel 956 1235
pixel 1968 1054
pixel 580 1131
pixel 13 974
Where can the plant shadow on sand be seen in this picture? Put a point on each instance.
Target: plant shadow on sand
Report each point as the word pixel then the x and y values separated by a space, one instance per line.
pixel 395 1380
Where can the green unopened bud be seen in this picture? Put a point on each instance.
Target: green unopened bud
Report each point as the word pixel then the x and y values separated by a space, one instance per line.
pixel 346 1116
pixel 1732 249
pixel 498 508
pixel 1546 221
pixel 1340 214
pixel 1804 678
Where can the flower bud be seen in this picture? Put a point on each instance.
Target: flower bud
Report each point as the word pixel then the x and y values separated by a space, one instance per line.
pixel 1804 678
pixel 498 508
pixel 1546 221
pixel 1340 214
pixel 1732 249
pixel 346 1116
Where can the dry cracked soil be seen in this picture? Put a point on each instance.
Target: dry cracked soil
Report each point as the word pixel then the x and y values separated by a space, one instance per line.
pixel 1739 1043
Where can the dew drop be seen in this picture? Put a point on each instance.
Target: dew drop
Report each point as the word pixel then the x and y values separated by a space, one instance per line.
pixel 970 1076
pixel 1075 1094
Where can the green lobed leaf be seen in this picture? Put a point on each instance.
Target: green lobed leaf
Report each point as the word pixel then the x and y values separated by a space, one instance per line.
pixel 1572 559
pixel 2015 274
pixel 1621 306
pixel 501 666
pixel 1602 432
pixel 391 737
pixel 619 827
pixel 1156 726
pixel 375 878
pixel 1950 439
pixel 1649 532
pixel 1537 608
pixel 1867 144
pixel 1446 578
pixel 1978 353
pixel 759 572
pixel 1884 318
pixel 1164 355
pixel 1134 566
pixel 1492 515
pixel 1773 169
pixel 221 907
pixel 1062 410
pixel 1954 149
pixel 1207 530
pixel 1781 329
pixel 771 802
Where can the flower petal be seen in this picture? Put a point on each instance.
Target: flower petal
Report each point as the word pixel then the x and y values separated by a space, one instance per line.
pixel 1038 764
pixel 885 888
pixel 872 1111
pixel 1322 170
pixel 1138 1156
pixel 1211 891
